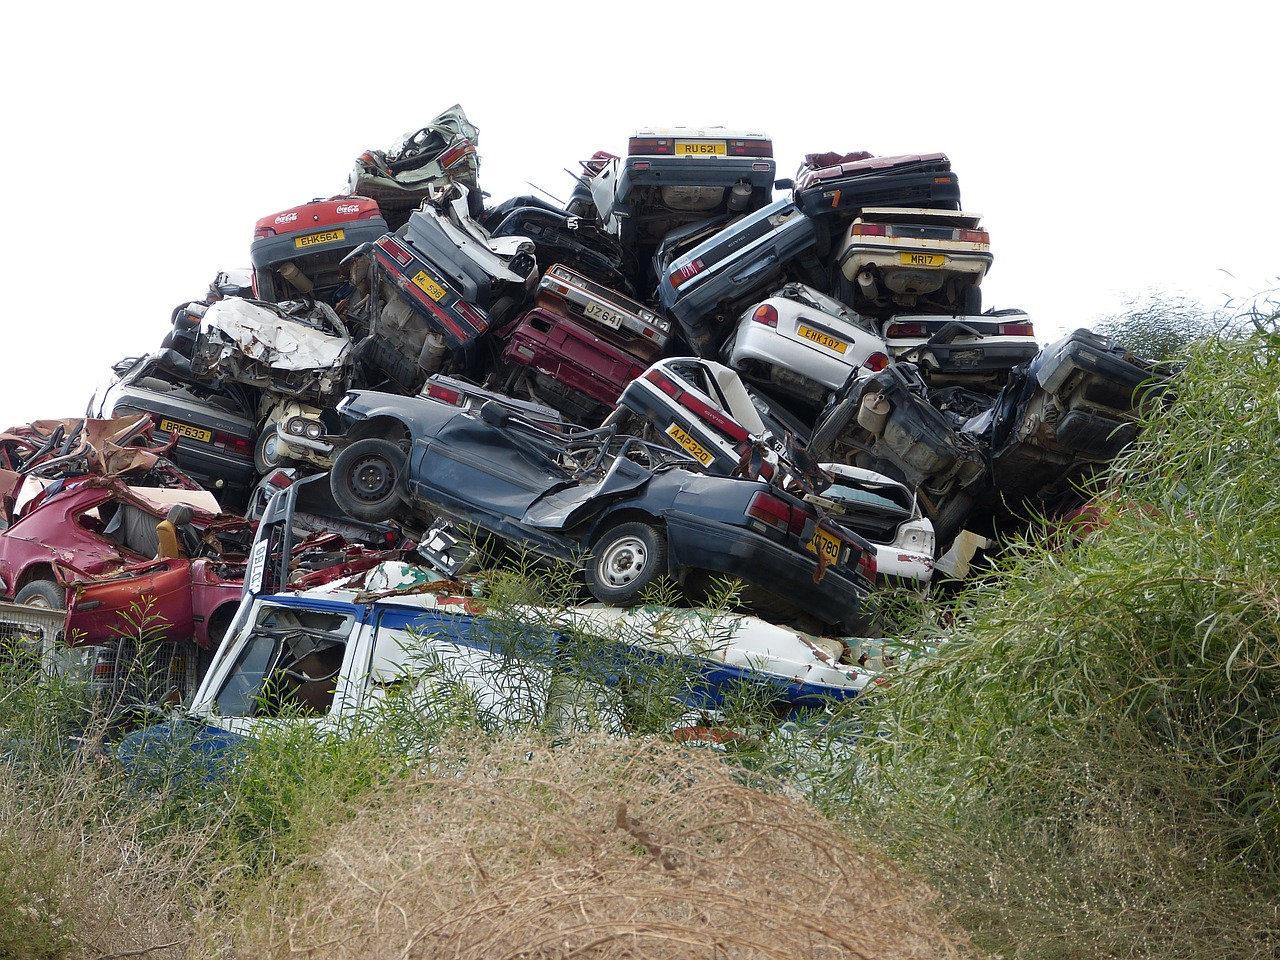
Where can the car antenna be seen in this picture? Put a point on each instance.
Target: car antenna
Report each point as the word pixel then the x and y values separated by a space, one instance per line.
pixel 558 201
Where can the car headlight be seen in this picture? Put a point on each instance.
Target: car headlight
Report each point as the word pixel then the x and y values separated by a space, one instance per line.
pixel 314 429
pixel 296 426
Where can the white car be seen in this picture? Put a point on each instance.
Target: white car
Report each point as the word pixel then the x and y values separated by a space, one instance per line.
pixel 888 514
pixel 962 350
pixel 803 343
pixel 906 258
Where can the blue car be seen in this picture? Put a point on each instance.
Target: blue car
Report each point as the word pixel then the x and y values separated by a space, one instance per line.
pixel 626 512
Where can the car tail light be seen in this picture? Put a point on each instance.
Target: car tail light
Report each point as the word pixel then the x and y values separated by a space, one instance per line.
pixel 233 444
pixel 473 316
pixel 767 509
pixel 687 272
pixel 1017 330
pixel 876 362
pixel 897 331
pixel 443 394
pixel 767 314
pixel 650 146
pixel 456 154
pixel 398 251
pixel 867 564
pixel 750 148
pixel 279 479
pixel 973 236
pixel 869 230
pixel 698 408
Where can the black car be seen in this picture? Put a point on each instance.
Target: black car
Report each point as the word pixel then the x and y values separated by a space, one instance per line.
pixel 626 511
pixel 216 428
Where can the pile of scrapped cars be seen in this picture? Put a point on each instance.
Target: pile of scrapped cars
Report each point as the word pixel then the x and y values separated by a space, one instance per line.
pixel 691 369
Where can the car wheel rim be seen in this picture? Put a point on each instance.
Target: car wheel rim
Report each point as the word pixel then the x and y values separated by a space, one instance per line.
pixel 624 562
pixel 271 451
pixel 372 479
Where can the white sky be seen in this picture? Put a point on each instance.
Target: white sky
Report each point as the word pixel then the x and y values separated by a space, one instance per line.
pixel 1115 149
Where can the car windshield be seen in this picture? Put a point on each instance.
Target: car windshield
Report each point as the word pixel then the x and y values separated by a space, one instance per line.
pixel 288 664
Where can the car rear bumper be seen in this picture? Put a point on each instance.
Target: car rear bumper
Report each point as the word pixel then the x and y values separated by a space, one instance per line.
pixel 738 552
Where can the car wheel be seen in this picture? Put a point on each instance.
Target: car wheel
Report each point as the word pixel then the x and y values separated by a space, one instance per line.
pixel 625 561
pixel 366 479
pixel 43 593
pixel 268 453
pixel 828 431
pixel 971 301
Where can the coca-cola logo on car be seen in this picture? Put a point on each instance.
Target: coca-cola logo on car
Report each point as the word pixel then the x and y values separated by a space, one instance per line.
pixel 287 217
pixel 347 208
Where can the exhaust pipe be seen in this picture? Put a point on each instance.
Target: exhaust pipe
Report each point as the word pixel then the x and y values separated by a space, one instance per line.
pixel 297 279
pixel 867 284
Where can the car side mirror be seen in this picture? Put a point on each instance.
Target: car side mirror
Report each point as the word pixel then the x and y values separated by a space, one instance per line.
pixel 786 183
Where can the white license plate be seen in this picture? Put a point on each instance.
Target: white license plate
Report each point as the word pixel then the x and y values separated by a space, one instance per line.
pixel 600 314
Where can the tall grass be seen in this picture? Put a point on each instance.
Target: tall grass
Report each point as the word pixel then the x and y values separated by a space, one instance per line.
pixel 1090 763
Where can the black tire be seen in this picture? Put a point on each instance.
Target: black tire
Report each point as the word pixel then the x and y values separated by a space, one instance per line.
pixel 367 479
pixel 828 431
pixel 43 593
pixel 971 301
pixel 625 561
pixel 267 455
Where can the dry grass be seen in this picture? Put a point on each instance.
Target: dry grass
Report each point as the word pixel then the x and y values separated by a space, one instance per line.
pixel 598 848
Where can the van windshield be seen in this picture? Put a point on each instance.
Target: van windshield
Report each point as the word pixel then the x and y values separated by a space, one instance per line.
pixel 289 664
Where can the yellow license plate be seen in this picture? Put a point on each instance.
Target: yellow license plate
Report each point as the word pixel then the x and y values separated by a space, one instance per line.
pixel 695 449
pixel 831 343
pixel 922 259
pixel 428 286
pixel 186 430
pixel 700 148
pixel 313 239
pixel 828 544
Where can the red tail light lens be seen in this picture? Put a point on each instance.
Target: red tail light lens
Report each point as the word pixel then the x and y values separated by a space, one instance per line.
pixel 770 511
pixel 241 445
pixel 766 314
pixel 456 154
pixel 869 230
pixel 1017 330
pixel 687 272
pixel 867 564
pixel 398 251
pixel 473 316
pixel 750 148
pixel 443 394
pixel 896 331
pixel 973 236
pixel 876 362
pixel 650 146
